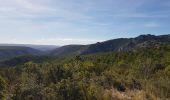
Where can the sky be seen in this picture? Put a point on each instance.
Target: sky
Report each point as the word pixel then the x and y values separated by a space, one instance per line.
pixel 63 22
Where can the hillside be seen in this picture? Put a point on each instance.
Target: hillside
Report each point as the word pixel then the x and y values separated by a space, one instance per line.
pixel 69 50
pixel 121 44
pixel 13 51
pixel 116 45
pixel 140 74
pixel 106 46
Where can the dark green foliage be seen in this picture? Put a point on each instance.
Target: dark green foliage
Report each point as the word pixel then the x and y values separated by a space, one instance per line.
pixel 2 88
pixel 20 60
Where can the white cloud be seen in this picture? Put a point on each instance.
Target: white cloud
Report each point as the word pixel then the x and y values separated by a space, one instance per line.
pixel 28 9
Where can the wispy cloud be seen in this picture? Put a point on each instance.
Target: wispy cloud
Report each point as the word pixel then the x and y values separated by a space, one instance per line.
pixel 28 9
pixel 152 25
pixel 142 15
pixel 79 19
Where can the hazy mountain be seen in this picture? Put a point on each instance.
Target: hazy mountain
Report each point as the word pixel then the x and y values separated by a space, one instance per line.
pixel 69 50
pixel 13 51
pixel 38 47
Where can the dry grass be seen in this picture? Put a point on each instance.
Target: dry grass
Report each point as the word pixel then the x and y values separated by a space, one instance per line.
pixel 113 94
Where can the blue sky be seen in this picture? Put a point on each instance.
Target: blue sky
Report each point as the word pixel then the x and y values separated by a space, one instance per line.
pixel 62 22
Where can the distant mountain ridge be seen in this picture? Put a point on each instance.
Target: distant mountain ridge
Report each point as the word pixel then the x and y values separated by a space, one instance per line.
pixel 114 45
pixel 121 44
pixel 38 47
